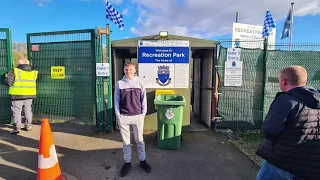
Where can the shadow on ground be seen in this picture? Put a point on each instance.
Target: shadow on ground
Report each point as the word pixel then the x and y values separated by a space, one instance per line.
pixel 86 155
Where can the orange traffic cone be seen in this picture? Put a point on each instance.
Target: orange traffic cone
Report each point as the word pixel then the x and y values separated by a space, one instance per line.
pixel 48 165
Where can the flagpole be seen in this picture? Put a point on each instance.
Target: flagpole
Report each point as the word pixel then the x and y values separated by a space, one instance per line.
pixel 113 15
pixel 110 83
pixel 291 24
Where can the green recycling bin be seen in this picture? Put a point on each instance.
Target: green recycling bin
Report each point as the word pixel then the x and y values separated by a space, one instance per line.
pixel 169 116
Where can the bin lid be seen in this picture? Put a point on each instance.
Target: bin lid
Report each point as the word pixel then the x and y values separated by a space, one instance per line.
pixel 170 99
pixel 164 91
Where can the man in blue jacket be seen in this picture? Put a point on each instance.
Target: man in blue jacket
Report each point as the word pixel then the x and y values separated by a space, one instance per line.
pixel 130 103
pixel 291 146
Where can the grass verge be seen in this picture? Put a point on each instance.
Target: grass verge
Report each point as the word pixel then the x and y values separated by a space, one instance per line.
pixel 248 144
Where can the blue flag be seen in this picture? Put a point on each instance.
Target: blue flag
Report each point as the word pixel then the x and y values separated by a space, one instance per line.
pixel 114 15
pixel 287 26
pixel 268 25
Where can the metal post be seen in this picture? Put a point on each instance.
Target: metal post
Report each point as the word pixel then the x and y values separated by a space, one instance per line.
pixel 291 25
pixel 264 80
pixel 9 51
pixel 99 83
pixel 110 83
pixel 237 15
pixel 214 111
pixel 29 48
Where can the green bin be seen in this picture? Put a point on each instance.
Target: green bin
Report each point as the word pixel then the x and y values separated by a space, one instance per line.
pixel 169 116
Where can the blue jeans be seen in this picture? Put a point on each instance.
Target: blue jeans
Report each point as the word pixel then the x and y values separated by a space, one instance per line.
pixel 271 172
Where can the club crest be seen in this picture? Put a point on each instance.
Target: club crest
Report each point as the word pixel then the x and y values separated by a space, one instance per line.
pixel 163 75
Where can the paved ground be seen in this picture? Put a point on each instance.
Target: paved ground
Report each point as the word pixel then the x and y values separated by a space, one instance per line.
pixel 87 156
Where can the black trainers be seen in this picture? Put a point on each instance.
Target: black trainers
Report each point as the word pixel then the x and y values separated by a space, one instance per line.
pixel 15 131
pixel 144 165
pixel 125 169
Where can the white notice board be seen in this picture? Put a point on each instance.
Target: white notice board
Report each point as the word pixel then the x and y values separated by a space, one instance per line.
pixel 102 69
pixel 233 54
pixel 233 73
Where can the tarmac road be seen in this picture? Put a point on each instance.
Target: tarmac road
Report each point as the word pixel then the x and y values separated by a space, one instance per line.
pixel 88 156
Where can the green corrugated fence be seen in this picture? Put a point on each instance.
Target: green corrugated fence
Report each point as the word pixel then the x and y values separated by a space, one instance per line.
pixel 245 107
pixel 5 66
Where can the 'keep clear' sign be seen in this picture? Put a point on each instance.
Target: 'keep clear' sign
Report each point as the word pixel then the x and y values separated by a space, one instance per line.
pixel 58 72
pixel 233 54
pixel 102 69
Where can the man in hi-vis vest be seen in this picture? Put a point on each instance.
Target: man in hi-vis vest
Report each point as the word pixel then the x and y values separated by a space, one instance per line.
pixel 22 89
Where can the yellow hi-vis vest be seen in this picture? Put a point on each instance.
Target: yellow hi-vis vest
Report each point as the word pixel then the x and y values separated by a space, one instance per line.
pixel 24 83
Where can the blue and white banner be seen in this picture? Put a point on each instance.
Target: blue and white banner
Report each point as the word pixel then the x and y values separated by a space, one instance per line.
pixel 269 25
pixel 287 26
pixel 113 15
pixel 164 64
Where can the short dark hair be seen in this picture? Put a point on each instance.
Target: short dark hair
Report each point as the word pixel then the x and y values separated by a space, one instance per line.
pixel 130 63
pixel 295 75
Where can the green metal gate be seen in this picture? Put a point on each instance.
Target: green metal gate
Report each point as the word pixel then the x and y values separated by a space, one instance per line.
pixel 72 99
pixel 5 66
pixel 242 107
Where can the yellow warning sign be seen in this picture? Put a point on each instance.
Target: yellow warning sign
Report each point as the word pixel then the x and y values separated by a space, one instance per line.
pixel 58 72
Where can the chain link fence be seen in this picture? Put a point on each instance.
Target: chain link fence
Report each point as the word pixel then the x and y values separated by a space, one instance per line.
pixel 306 55
pixel 244 107
pixel 241 107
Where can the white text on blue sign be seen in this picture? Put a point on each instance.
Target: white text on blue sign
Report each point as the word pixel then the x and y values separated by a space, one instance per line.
pixel 163 55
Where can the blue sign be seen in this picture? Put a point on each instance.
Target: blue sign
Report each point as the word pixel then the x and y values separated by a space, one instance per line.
pixel 163 55
pixel 162 62
pixel 163 75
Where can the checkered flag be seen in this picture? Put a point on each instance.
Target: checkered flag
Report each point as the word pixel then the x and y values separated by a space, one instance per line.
pixel 114 15
pixel 268 26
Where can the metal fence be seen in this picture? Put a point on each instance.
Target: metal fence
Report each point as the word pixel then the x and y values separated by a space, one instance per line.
pixel 100 84
pixel 5 66
pixel 306 55
pixel 245 107
pixel 73 98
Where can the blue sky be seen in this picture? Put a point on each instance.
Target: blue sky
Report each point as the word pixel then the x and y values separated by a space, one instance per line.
pixel 202 18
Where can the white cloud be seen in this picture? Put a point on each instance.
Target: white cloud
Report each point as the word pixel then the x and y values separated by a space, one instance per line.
pixel 118 2
pixel 209 18
pixel 125 12
pixel 311 8
pixel 41 3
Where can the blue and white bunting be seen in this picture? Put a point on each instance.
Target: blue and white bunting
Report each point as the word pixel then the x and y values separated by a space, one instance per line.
pixel 269 24
pixel 113 15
